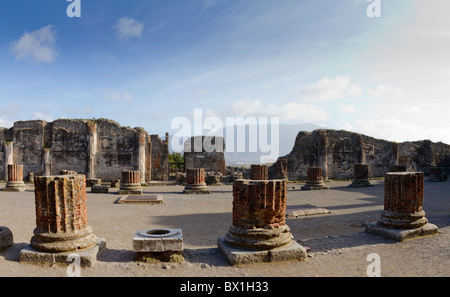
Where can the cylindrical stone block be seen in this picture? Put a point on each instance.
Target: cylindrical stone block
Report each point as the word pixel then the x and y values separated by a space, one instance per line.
pixel 259 172
pixel 403 200
pixel 15 172
pixel 15 178
pixel 314 174
pixel 259 215
pixel 361 175
pixel 130 182
pixel 61 214
pixel 314 179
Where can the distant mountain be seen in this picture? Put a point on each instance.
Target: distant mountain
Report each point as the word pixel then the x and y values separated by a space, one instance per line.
pixel 254 148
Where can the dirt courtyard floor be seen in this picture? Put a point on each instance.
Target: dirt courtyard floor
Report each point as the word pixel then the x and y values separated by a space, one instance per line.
pixel 337 242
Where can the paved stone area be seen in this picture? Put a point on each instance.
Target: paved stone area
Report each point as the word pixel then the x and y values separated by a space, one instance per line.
pixel 337 242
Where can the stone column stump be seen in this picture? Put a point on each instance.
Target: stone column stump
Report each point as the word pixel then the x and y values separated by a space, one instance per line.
pixel 195 178
pixel 15 179
pixel 259 232
pixel 398 168
pixel 361 176
pixel 314 179
pixel 259 172
pixel 61 222
pixel 403 217
pixel 130 183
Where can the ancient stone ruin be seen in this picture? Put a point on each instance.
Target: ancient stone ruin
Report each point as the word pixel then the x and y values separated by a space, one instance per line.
pixel 205 152
pixel 61 222
pixel 259 232
pixel 100 149
pixel 130 183
pixel 403 216
pixel 259 172
pixel 336 152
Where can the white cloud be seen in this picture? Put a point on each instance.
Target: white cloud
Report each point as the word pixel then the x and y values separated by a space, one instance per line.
pixel 38 45
pixel 331 89
pixel 386 92
pixel 116 97
pixel 393 129
pixel 347 108
pixel 126 28
pixel 41 116
pixel 290 111
pixel 6 123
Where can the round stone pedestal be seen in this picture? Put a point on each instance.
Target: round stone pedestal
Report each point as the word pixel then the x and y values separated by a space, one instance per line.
pixel 15 179
pixel 361 176
pixel 130 183
pixel 195 178
pixel 259 232
pixel 314 179
pixel 403 216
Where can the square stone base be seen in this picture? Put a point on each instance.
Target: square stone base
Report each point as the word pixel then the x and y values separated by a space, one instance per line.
pixel 88 256
pixel 401 234
pixel 158 240
pixel 235 256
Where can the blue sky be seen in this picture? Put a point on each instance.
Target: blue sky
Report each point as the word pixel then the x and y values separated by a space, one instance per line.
pixel 144 63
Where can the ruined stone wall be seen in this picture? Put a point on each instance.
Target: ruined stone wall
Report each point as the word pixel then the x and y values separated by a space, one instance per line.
pixel 205 152
pixel 97 148
pixel 160 157
pixel 344 149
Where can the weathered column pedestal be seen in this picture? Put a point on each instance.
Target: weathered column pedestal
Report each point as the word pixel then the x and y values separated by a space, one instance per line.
pixel 259 232
pixel 403 216
pixel 361 176
pixel 314 179
pixel 15 179
pixel 259 172
pixel 196 184
pixel 61 223
pixel 130 184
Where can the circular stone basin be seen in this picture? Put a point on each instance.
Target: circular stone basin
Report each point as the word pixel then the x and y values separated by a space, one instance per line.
pixel 158 233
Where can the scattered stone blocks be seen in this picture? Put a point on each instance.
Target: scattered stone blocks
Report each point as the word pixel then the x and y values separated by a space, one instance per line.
pixel 259 232
pixel 100 189
pixel 403 217
pixel 361 176
pixel 196 184
pixel 6 238
pixel 130 183
pixel 15 179
pixel 115 183
pixel 61 222
pixel 90 182
pixel 315 179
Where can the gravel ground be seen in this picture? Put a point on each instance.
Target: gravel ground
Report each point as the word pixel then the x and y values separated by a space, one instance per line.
pixel 338 245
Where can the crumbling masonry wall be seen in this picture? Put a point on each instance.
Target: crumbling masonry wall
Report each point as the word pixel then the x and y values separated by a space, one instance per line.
pixel 96 148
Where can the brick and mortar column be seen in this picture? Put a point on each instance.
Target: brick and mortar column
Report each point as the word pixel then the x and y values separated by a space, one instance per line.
pixel 61 214
pixel 195 178
pixel 130 182
pixel 259 215
pixel 259 172
pixel 314 179
pixel 403 216
pixel 15 178
pixel 361 175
